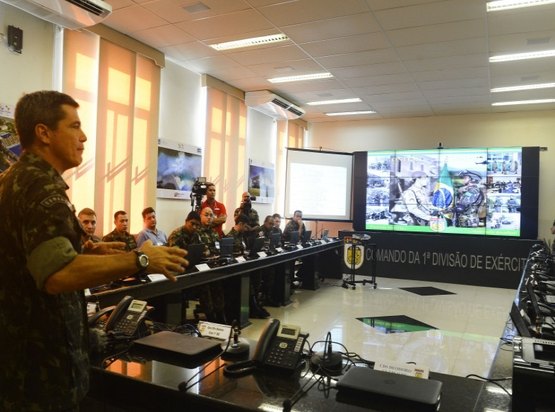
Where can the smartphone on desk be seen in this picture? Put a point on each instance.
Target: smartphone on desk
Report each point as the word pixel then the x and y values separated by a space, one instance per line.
pixel 124 319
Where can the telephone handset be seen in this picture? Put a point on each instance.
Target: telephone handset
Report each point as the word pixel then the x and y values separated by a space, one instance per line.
pixel 122 319
pixel 279 348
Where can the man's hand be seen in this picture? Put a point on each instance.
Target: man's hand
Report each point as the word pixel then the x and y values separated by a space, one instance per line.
pixel 103 248
pixel 169 261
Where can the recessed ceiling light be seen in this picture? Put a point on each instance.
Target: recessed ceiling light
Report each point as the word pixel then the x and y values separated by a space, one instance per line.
pixel 350 113
pixel 336 101
pixel 301 77
pixel 521 56
pixel 517 102
pixel 253 41
pixel 515 4
pixel 524 87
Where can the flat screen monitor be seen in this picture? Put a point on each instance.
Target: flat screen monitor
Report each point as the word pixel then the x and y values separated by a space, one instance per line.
pixel 306 236
pixel 257 246
pixel 195 253
pixel 275 240
pixel 294 237
pixel 460 191
pixel 226 247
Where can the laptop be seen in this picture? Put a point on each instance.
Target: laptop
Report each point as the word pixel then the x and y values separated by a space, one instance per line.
pixel 376 389
pixel 175 347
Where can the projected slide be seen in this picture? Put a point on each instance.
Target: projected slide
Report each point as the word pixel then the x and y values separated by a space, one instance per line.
pixel 319 184
pixel 458 191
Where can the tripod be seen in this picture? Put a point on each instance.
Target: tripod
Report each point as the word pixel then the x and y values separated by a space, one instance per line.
pixel 356 248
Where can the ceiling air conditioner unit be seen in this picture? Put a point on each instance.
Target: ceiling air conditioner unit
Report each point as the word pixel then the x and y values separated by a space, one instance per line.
pixel 71 14
pixel 272 105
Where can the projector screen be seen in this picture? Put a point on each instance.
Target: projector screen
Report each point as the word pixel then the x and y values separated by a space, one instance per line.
pixel 319 184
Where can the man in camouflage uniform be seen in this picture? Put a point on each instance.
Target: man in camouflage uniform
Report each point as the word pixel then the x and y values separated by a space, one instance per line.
pixel 294 225
pixel 188 233
pixel 211 295
pixel 120 233
pixel 43 324
pixel 236 233
pixel 87 217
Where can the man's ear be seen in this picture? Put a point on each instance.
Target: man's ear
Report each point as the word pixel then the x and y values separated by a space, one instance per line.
pixel 42 132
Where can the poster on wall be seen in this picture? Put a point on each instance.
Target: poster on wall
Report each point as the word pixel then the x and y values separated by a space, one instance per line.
pixel 10 149
pixel 261 181
pixel 179 165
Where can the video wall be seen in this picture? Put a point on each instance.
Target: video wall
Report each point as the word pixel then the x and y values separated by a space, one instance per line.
pixel 468 191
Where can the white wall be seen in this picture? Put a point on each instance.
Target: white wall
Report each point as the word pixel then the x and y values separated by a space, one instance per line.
pixel 32 69
pixel 261 147
pixel 533 128
pixel 181 121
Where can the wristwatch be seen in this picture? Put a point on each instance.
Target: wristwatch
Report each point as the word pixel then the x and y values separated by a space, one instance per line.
pixel 142 260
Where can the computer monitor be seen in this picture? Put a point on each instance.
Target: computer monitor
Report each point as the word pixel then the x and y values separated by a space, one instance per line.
pixel 294 237
pixel 226 247
pixel 307 234
pixel 256 247
pixel 195 253
pixel 275 241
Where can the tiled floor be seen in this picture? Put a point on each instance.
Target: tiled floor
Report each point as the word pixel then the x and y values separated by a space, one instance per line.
pixel 469 322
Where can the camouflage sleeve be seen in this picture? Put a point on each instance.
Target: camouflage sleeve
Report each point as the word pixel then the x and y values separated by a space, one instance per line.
pixel 49 257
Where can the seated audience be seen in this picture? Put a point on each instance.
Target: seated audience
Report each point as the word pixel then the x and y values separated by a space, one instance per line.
pixel 188 233
pixel 120 233
pixel 150 230
pixel 87 217
pixel 294 225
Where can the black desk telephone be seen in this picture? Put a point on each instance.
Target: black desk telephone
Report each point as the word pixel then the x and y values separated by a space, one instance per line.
pixel 124 319
pixel 279 349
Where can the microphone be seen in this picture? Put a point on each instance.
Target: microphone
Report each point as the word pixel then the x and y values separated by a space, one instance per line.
pixel 235 348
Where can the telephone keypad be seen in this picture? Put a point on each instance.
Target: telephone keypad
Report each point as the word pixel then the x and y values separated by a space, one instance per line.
pixel 285 354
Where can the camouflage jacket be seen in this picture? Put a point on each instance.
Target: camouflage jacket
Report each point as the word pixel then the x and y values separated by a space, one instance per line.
pixel 44 337
pixel 180 238
pixel 115 236
pixel 209 237
pixel 238 246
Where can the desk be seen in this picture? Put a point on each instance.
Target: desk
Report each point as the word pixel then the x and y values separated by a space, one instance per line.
pixel 150 385
pixel 319 260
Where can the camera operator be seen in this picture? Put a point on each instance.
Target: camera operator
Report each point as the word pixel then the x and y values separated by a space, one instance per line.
pixel 200 187
pixel 220 214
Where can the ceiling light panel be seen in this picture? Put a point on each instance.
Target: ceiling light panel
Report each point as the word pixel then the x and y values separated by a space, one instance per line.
pixel 521 56
pixel 302 77
pixel 515 4
pixel 523 87
pixel 253 41
pixel 336 101
pixel 519 102
pixel 351 113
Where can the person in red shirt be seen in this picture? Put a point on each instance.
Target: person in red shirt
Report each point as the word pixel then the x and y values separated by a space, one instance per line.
pixel 220 214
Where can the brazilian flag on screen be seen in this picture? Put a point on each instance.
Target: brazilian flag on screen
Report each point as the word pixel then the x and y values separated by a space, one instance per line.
pixel 442 196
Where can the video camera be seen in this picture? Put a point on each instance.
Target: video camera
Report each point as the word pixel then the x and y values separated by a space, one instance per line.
pixel 198 190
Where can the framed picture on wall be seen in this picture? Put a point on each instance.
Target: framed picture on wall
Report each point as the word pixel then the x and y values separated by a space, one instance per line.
pixel 261 181
pixel 179 165
pixel 10 149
